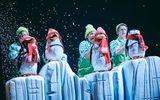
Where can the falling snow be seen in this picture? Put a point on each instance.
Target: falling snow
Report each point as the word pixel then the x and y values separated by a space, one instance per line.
pixel 70 20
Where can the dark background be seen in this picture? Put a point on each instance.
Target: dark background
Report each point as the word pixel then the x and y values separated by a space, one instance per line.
pixel 70 17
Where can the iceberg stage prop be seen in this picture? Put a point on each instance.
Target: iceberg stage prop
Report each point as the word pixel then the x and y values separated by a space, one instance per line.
pixel 137 79
pixel 25 88
pixel 101 85
pixel 142 79
pixel 60 82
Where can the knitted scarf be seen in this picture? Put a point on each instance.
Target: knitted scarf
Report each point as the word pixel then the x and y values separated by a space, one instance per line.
pixel 30 44
pixel 140 39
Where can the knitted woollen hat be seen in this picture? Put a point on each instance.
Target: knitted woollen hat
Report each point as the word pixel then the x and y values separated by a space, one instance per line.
pixel 21 29
pixel 89 28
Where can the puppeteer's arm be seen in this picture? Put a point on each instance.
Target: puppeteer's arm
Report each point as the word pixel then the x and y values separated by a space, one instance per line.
pixel 14 51
pixel 84 52
pixel 116 48
pixel 87 55
pixel 120 50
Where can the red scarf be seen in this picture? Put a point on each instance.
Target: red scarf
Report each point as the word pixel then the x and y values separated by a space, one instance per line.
pixel 31 46
pixel 140 39
pixel 103 45
pixel 51 33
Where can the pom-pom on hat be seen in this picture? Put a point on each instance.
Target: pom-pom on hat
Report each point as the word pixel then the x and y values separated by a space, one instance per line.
pixel 21 29
pixel 89 28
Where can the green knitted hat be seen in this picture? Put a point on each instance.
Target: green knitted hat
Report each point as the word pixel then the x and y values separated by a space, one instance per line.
pixel 20 29
pixel 89 28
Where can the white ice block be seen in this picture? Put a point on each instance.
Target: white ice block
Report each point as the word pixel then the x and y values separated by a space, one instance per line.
pixel 85 89
pixel 61 83
pixel 118 83
pixel 25 88
pixel 101 85
pixel 141 79
pixel 154 77
pixel 135 79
